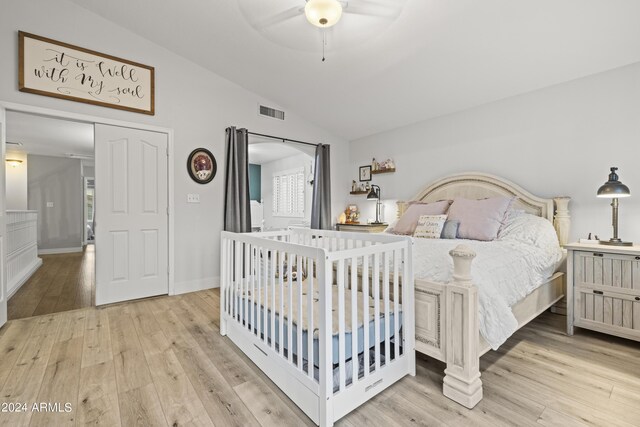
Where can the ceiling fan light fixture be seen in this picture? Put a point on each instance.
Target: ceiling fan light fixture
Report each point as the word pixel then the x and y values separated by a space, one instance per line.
pixel 323 13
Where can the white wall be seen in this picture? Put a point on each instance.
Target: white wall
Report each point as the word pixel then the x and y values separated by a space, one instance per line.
pixel 268 169
pixel 559 140
pixel 196 103
pixel 16 182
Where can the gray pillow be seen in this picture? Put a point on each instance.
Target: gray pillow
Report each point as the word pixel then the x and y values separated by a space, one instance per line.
pixel 450 229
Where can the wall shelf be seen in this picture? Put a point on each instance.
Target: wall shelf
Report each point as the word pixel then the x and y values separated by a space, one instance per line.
pixel 383 171
pixel 358 192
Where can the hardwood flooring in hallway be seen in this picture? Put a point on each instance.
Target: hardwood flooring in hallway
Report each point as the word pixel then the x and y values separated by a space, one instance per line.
pixel 64 282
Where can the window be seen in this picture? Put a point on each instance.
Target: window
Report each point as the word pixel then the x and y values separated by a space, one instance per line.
pixel 288 193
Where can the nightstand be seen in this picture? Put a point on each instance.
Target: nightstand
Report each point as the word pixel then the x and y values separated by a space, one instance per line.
pixel 362 228
pixel 603 289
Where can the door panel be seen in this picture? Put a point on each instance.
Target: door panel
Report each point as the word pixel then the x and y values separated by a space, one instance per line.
pixel 3 261
pixel 131 217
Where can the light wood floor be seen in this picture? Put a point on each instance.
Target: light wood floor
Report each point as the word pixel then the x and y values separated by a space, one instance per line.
pixel 63 282
pixel 162 361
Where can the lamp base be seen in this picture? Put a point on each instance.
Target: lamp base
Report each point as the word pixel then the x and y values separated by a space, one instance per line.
pixel 376 223
pixel 615 242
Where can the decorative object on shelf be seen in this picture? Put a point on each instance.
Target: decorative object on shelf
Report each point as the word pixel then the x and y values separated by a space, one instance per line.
pixel 386 166
pixel 14 163
pixel 375 195
pixel 202 166
pixel 352 215
pixel 614 189
pixel 354 186
pixel 367 187
pixel 60 70
pixel 365 173
pixel 374 165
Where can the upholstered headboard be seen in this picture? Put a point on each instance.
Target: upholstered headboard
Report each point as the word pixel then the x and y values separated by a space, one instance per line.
pixel 474 185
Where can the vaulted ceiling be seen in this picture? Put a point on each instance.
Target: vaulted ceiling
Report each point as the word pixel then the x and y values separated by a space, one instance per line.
pixel 435 58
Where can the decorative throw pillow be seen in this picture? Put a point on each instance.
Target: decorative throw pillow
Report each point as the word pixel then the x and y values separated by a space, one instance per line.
pixel 407 223
pixel 450 229
pixel 480 219
pixel 430 226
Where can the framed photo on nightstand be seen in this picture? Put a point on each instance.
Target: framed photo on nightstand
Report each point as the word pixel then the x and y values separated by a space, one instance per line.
pixel 365 173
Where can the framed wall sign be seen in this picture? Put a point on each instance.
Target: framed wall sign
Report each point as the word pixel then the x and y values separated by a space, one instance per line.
pixel 202 166
pixel 365 173
pixel 52 68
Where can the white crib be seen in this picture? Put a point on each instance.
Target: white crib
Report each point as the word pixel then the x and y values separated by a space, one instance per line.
pixel 278 295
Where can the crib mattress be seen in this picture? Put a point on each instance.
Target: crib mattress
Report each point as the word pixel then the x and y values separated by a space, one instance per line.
pixel 260 307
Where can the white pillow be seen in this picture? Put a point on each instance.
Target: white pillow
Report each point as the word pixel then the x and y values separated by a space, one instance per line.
pixel 430 226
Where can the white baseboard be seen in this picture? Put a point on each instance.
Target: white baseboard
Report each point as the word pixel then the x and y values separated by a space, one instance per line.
pixel 13 288
pixel 196 285
pixel 59 251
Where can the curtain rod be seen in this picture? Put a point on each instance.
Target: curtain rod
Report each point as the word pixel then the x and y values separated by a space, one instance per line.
pixel 282 139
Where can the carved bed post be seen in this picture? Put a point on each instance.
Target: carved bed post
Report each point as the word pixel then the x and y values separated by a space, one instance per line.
pixel 562 219
pixel 462 375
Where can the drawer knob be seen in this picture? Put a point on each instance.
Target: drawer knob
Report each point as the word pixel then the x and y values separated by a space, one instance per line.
pixel 637 298
pixel 638 257
pixel 598 254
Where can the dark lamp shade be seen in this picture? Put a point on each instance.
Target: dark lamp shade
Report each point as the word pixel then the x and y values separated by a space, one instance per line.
pixel 614 189
pixel 373 194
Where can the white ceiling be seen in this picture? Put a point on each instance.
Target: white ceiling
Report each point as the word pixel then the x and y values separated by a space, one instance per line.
pixel 437 57
pixel 48 136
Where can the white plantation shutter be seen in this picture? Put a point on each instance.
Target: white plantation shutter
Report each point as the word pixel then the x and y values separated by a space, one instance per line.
pixel 288 193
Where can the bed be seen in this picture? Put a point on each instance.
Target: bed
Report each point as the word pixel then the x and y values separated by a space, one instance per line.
pixel 294 303
pixel 448 310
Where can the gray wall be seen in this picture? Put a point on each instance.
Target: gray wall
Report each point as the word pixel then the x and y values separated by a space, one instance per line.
pixel 555 141
pixel 56 180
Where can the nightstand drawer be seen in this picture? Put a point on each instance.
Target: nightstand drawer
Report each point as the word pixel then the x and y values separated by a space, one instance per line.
pixel 606 270
pixel 607 311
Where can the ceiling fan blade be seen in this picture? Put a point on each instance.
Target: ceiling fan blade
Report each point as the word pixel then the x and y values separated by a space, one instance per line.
pixel 387 4
pixel 279 17
pixel 358 10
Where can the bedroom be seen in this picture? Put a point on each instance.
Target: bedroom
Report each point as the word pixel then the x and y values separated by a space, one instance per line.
pixel 541 94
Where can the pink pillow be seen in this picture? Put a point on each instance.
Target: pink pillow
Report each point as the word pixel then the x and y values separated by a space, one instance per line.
pixel 480 219
pixel 409 220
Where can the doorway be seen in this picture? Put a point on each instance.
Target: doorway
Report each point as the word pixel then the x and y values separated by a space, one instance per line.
pixel 65 277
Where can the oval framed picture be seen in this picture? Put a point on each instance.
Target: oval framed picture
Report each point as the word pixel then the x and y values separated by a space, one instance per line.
pixel 202 166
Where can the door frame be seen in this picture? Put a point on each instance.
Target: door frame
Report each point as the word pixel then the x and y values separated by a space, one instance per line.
pixel 67 115
pixel 85 180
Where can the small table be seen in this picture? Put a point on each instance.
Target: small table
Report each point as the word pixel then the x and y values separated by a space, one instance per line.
pixel 362 228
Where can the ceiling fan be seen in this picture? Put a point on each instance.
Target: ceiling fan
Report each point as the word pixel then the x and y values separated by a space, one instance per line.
pixel 327 13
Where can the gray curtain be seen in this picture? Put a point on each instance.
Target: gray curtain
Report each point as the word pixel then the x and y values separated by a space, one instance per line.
pixel 321 204
pixel 237 210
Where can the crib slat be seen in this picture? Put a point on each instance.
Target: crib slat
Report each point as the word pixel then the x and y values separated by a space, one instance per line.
pixel 300 323
pixel 354 320
pixel 376 308
pixel 261 254
pixel 310 308
pixel 238 274
pixel 396 302
pixel 246 280
pixel 281 308
pixel 365 312
pixel 254 272
pixel 341 323
pixel 272 306
pixel 289 311
pixel 265 297
pixel 387 313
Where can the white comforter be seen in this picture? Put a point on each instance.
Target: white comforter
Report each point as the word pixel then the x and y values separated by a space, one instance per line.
pixel 505 271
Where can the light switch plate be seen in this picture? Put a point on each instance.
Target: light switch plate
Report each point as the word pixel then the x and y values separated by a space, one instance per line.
pixel 193 198
pixel 49 204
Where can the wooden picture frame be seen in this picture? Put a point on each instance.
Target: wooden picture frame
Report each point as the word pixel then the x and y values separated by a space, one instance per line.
pixel 60 70
pixel 202 166
pixel 365 173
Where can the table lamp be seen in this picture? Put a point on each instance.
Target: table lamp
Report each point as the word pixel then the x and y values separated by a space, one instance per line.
pixel 375 194
pixel 614 189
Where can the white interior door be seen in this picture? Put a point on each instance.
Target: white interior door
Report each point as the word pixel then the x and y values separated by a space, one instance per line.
pixel 3 223
pixel 131 217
